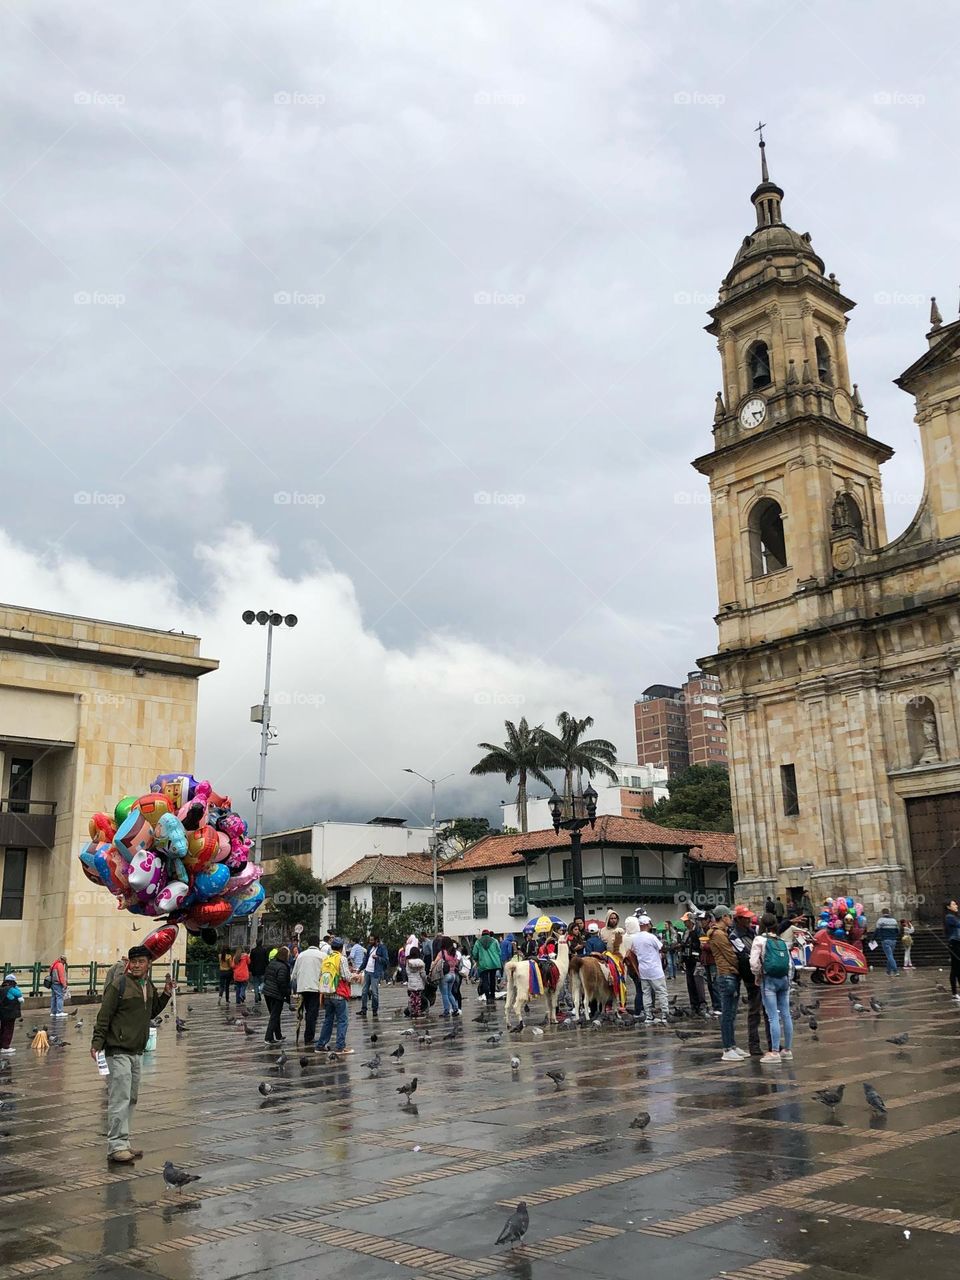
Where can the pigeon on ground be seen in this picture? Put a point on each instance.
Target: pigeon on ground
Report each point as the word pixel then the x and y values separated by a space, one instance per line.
pixel 515 1031
pixel 641 1120
pixel 181 1026
pixel 398 1052
pixel 813 1024
pixel 265 1087
pixel 874 1099
pixel 516 1225
pixel 409 1032
pixel 830 1097
pixel 189 1008
pixel 859 1008
pixel 248 1030
pixel 455 1032
pixel 304 1061
pixel 408 1089
pixel 875 1004
pixel 496 1038
pixel 374 1063
pixel 852 997
pixel 686 1035
pixel 281 1062
pixel 374 1038
pixel 483 1017
pixel 902 1038
pixel 426 1038
pixel 557 1077
pixel 78 1025
pixel 174 1177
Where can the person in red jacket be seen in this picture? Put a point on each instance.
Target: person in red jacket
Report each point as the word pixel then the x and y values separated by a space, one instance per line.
pixel 58 986
pixel 241 975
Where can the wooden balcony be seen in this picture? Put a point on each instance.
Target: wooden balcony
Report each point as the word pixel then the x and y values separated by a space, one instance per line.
pixel 27 824
pixel 603 889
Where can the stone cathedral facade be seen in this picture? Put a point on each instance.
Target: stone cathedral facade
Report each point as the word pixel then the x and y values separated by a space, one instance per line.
pixel 839 651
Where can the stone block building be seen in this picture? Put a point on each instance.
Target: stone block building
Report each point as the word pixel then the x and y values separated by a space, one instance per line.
pixel 839 651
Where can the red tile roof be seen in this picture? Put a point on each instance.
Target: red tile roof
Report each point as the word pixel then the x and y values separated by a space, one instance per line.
pixel 508 851
pixel 377 868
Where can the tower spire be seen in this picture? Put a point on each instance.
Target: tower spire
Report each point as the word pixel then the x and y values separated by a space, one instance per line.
pixel 766 199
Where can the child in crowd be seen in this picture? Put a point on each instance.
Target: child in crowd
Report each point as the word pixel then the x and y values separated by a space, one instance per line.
pixel 906 932
pixel 416 981
pixel 11 1000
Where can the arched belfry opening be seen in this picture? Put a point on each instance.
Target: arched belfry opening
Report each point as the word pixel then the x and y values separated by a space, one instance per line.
pixel 758 366
pixel 768 552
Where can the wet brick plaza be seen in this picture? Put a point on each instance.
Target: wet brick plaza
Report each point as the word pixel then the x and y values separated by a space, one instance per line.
pixel 740 1174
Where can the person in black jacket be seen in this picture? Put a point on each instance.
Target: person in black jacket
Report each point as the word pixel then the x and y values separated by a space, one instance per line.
pixel 259 959
pixel 742 933
pixel 276 992
pixel 690 954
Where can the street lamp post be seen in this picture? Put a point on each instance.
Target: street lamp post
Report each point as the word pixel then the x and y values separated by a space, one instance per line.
pixel 267 618
pixel 575 824
pixel 433 839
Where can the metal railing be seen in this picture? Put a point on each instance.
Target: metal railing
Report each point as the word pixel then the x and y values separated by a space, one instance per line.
pixel 89 979
pixel 608 888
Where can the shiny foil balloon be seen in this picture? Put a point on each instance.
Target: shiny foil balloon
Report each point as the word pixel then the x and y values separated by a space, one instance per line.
pixel 210 913
pixel 134 835
pixel 161 940
pixel 122 810
pixel 153 806
pixel 211 883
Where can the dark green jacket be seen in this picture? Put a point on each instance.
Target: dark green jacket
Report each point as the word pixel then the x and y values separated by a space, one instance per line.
pixel 486 953
pixel 123 1021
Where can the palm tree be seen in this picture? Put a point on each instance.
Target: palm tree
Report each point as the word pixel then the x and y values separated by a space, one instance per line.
pixel 567 751
pixel 521 755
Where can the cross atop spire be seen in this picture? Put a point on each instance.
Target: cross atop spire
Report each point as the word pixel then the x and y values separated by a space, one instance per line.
pixel 764 175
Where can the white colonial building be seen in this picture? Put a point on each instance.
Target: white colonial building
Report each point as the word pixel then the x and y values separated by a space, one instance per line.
pixel 382 885
pixel 502 881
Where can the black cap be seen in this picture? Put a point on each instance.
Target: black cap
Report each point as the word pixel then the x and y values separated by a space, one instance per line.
pixel 137 953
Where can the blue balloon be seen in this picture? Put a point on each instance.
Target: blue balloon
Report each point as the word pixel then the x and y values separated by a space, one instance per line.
pixel 211 882
pixel 246 906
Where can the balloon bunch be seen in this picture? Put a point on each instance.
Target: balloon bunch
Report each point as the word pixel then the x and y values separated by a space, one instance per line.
pixel 180 852
pixel 836 911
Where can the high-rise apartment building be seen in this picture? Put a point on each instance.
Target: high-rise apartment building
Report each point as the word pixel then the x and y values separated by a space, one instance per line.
pixel 681 726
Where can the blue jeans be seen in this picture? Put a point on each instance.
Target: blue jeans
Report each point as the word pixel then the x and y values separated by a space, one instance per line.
pixel 241 990
pixel 56 999
pixel 713 985
pixel 257 984
pixel 888 945
pixel 775 993
pixel 371 990
pixel 446 993
pixel 334 1007
pixel 729 992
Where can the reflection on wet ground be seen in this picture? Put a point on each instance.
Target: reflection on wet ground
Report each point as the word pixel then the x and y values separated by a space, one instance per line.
pixel 741 1170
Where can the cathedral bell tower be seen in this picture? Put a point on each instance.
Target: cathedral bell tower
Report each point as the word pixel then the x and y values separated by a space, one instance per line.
pixel 794 476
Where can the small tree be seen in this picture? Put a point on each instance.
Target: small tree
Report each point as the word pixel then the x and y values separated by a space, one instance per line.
pixel 295 896
pixel 699 800
pixel 417 918
pixel 460 833
pixel 354 922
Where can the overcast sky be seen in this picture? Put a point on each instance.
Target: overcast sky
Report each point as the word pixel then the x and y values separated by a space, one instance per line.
pixel 390 315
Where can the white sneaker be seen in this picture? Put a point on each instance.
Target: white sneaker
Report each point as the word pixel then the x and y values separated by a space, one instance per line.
pixel 8 1051
pixel 662 1022
pixel 739 1052
pixel 731 1055
pixel 771 1057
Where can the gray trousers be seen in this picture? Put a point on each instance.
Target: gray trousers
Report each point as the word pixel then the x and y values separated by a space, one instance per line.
pixel 123 1088
pixel 654 987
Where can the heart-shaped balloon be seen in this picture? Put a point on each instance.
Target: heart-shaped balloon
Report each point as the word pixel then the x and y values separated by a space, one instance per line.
pixel 210 913
pixel 161 940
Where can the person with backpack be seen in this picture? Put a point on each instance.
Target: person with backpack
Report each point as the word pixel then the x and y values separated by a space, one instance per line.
pixel 130 1003
pixel 770 962
pixel 335 979
pixel 11 1011
pixel 443 971
pixel 276 992
pixel 742 934
pixel 485 953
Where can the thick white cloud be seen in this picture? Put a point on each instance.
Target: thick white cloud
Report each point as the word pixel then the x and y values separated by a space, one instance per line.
pixel 351 712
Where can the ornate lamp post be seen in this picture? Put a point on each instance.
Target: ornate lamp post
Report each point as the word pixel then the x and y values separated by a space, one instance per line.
pixel 575 824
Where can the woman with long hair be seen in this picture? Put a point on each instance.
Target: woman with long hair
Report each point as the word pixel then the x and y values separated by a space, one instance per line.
pixel 226 974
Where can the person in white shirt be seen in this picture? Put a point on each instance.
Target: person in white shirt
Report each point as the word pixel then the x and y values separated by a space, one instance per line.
pixel 646 946
pixel 325 944
pixel 305 980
